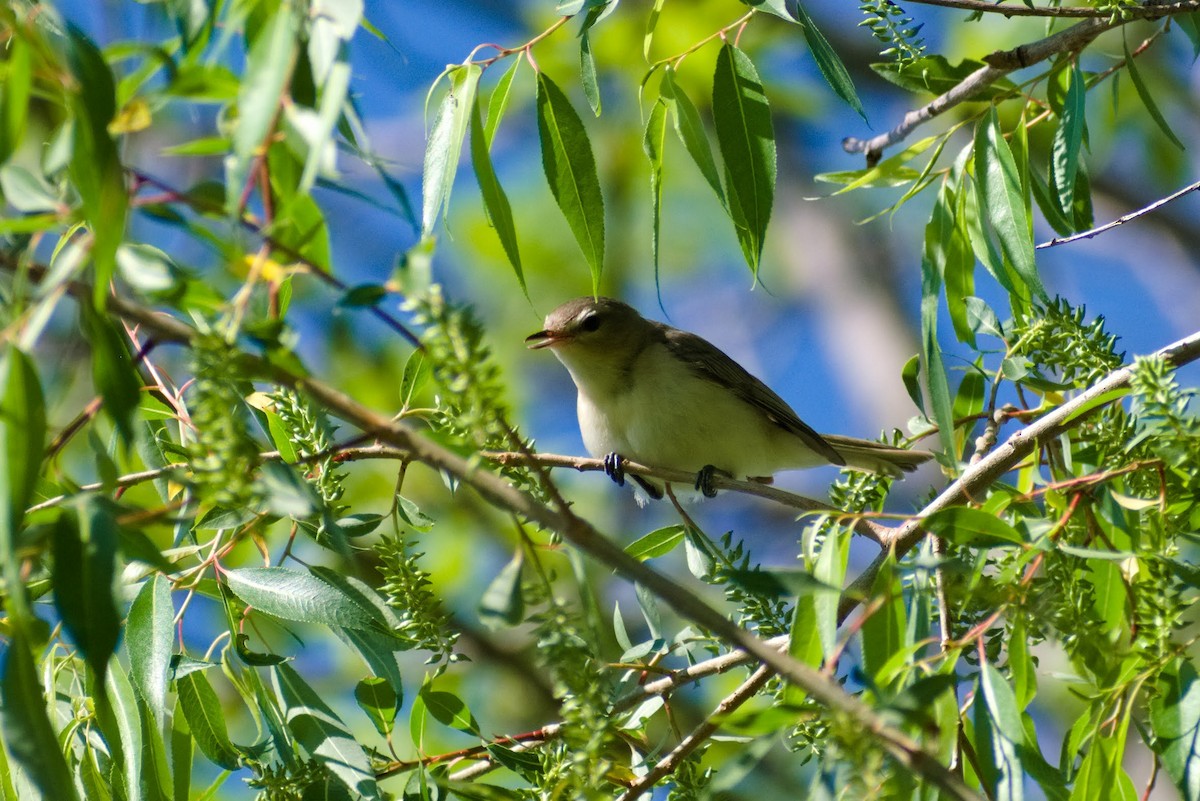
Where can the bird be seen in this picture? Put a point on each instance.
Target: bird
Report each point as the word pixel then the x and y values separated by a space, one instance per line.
pixel 667 398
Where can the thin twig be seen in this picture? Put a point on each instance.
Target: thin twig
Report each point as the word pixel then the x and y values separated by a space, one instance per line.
pixel 997 65
pixel 1133 215
pixel 1148 11
pixel 667 765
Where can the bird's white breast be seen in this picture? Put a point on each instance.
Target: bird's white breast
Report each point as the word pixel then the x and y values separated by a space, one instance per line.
pixel 658 412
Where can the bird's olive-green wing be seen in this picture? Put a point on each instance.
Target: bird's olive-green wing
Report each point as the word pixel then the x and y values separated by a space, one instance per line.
pixel 709 362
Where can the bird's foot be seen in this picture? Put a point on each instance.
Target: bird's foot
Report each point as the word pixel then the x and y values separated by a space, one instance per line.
pixel 704 480
pixel 614 469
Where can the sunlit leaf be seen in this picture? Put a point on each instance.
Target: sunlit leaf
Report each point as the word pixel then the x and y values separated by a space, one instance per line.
pixel 571 170
pixel 206 720
pixel 495 201
pixel 445 143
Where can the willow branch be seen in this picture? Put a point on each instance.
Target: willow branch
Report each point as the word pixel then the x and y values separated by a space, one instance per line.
pixel 1148 11
pixel 695 738
pixel 868 528
pixel 906 751
pixel 978 477
pixel 997 65
pixel 1133 215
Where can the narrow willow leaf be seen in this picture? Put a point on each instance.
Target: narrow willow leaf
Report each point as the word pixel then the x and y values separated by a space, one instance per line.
pixel 445 143
pixel 690 130
pixel 449 710
pixel 84 547
pixel 652 143
pixel 14 105
pixel 938 231
pixel 183 749
pixel 651 24
pixel 29 737
pixel 269 65
pixel 1005 731
pixel 378 700
pixel 126 719
pixel 1175 717
pixel 149 635
pixel 571 171
pixel 113 372
pixel 742 118
pixel 975 528
pixel 495 201
pixel 587 73
pixel 22 445
pixel 322 734
pixel 293 595
pixel 206 720
pixel 95 164
pixel 883 633
pixel 503 603
pixel 998 178
pixel 958 271
pixel 1047 198
pixel 831 66
pixel 1068 140
pixel 498 103
pixel 1147 100
pixel 659 542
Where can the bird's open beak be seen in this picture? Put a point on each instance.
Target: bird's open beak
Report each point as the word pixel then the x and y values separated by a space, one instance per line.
pixel 542 339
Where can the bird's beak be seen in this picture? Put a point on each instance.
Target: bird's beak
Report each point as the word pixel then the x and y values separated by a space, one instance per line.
pixel 543 339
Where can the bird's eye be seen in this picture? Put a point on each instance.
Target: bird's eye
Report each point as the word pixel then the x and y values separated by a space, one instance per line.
pixel 590 323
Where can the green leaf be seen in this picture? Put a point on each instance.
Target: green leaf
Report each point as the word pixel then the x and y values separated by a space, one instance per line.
pixel 449 710
pixel 26 192
pixel 659 542
pixel 95 165
pixel 974 528
pixel 14 103
pixel 124 724
pixel 113 372
pixel 587 73
pixel 206 719
pixel 362 295
pixel 503 602
pixel 831 66
pixel 746 137
pixel 498 102
pixel 322 734
pixel 910 374
pixel 149 638
pixel 1147 100
pixel 1068 140
pixel 495 201
pixel 652 143
pixel 379 701
pixel 571 171
pixel 147 268
pixel 269 65
pixel 936 75
pixel 303 597
pixel 22 446
pixel 285 492
pixel 938 231
pixel 1175 716
pixel 84 546
pixel 999 717
pixel 883 633
pixel 998 180
pixel 958 271
pixel 29 737
pixel 690 130
pixel 445 143
pixel 415 375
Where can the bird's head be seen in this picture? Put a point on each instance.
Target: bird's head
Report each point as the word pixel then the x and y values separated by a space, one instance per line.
pixel 593 334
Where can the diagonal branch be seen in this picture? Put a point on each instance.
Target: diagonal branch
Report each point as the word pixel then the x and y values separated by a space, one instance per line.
pixel 907 752
pixel 976 478
pixel 997 65
pixel 1153 10
pixel 1133 215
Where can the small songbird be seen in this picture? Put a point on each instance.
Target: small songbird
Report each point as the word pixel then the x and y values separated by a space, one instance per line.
pixel 666 398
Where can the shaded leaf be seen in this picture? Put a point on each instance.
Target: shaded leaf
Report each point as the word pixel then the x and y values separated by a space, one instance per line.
pixel 29 737
pixel 690 130
pixel 379 701
pixel 652 143
pixel 322 734
pixel 503 603
pixel 828 62
pixel 936 75
pixel 1175 716
pixel 1068 140
pixel 449 710
pixel 495 201
pixel 1147 99
pixel 206 720
pixel 113 371
pixel 975 528
pixel 85 545
pixel 657 543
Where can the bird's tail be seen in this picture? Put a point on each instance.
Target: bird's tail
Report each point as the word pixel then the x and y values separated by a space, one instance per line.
pixel 875 457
